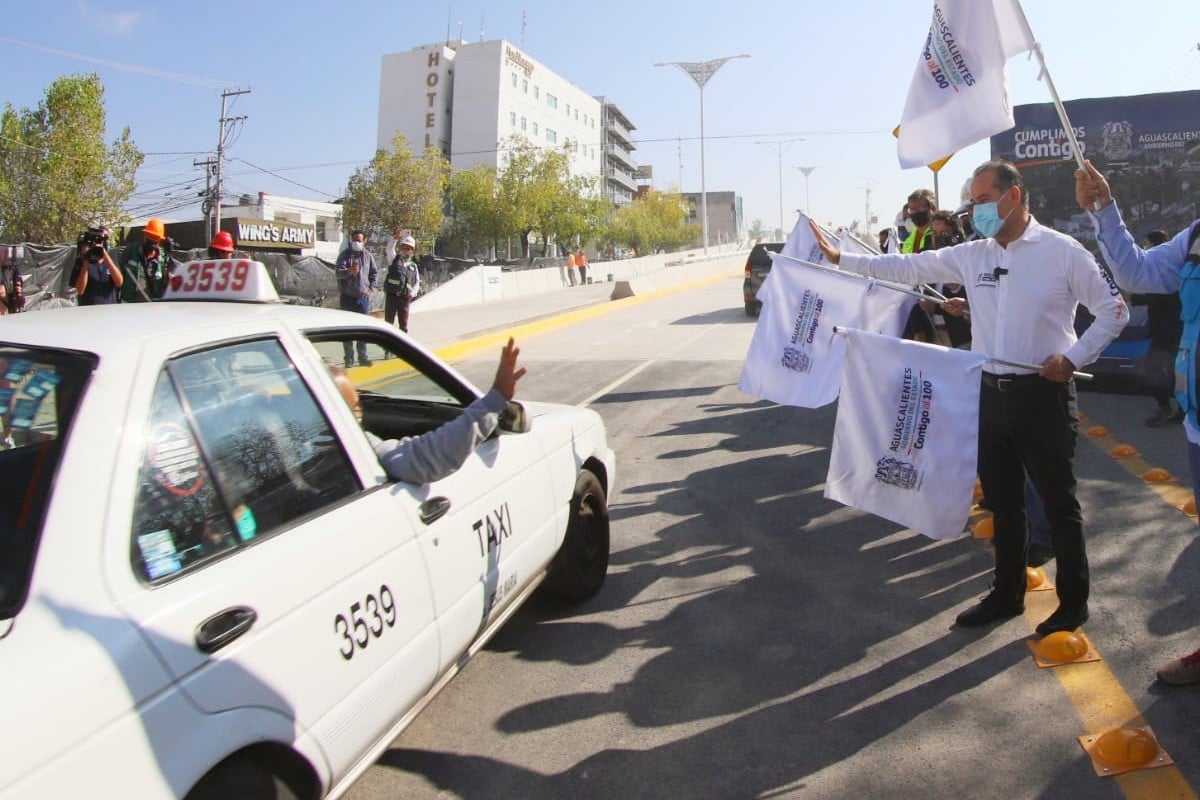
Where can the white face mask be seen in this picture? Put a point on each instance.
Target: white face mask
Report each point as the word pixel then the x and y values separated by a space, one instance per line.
pixel 356 246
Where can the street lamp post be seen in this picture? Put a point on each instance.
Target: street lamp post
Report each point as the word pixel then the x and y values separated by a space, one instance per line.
pixel 807 202
pixel 700 72
pixel 780 146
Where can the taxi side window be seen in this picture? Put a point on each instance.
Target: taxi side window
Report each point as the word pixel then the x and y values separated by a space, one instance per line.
pixel 401 391
pixel 238 449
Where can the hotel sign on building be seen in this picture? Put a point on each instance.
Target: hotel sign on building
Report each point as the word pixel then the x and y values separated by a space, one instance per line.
pixel 519 61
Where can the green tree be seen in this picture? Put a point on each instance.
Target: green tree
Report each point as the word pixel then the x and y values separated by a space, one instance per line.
pixel 577 212
pixel 56 174
pixel 655 221
pixel 398 190
pixel 479 212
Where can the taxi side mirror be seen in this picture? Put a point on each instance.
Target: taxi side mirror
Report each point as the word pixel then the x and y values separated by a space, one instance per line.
pixel 513 418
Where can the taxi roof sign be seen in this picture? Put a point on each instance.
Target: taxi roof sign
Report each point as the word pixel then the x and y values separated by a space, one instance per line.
pixel 222 279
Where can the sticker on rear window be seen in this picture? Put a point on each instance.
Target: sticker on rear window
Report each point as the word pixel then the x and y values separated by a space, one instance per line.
pixel 176 460
pixel 159 553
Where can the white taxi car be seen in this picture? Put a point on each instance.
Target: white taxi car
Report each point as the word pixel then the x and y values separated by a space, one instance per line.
pixel 209 588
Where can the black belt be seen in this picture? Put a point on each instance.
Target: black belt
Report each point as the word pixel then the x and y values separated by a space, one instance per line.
pixel 1004 383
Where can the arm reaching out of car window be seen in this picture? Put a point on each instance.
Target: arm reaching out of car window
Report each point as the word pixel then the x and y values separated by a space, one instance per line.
pixel 439 452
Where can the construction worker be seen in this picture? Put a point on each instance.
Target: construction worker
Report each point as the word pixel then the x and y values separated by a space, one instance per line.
pixel 147 267
pixel 221 245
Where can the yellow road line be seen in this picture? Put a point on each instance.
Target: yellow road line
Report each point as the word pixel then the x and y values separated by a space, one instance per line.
pixel 1098 697
pixel 497 339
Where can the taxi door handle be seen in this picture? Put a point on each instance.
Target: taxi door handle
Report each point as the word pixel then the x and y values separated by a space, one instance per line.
pixel 434 509
pixel 222 628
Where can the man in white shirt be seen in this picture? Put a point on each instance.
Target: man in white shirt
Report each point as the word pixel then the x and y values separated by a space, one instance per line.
pixel 1023 283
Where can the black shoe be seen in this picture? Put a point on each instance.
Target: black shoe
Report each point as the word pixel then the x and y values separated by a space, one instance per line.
pixel 1039 554
pixel 988 610
pixel 1164 417
pixel 1062 620
pixel 364 362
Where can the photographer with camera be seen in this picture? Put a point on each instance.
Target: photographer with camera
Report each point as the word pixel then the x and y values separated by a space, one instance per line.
pixel 147 268
pixel 12 285
pixel 99 276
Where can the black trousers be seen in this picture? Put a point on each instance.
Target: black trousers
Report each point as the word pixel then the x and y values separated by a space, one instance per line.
pixel 1029 425
pixel 396 305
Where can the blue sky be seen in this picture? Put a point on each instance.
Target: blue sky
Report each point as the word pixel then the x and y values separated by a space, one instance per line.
pixel 834 74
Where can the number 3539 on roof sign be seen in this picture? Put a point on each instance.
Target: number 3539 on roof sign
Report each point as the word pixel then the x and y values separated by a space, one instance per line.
pixel 223 279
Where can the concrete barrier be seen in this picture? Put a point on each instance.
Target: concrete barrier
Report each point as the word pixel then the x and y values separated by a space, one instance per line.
pixel 487 283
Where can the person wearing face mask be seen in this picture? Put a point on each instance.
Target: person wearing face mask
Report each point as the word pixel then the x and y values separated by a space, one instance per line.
pixel 356 276
pixel 918 212
pixel 1023 282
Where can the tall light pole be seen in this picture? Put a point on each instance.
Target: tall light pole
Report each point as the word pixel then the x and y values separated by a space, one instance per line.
pixel 700 72
pixel 780 146
pixel 807 202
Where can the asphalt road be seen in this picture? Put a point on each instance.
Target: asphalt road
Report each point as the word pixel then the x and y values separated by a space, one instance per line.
pixel 755 640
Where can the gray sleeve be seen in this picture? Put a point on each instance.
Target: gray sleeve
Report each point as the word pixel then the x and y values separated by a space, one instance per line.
pixel 434 455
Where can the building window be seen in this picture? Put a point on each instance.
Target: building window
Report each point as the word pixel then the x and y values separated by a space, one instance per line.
pixel 535 129
pixel 537 93
pixel 522 123
pixel 514 80
pixel 568 109
pixel 321 231
pixel 512 118
pixel 577 113
pixel 525 86
pixel 551 136
pixel 551 100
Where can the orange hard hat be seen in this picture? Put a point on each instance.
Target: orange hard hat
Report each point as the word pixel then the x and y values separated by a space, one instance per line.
pixel 222 241
pixel 154 229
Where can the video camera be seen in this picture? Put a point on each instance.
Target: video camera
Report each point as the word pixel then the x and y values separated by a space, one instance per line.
pixel 93 243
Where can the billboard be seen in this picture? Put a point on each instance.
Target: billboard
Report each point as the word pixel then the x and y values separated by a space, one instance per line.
pixel 1148 146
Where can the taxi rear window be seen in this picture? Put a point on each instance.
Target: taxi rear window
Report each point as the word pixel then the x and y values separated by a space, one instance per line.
pixel 237 450
pixel 39 394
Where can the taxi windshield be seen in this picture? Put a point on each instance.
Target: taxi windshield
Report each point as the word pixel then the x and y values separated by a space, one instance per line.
pixel 39 394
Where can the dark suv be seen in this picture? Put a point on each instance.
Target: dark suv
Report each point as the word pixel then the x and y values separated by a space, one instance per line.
pixel 758 264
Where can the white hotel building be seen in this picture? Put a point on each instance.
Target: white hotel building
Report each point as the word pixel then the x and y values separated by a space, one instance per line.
pixel 466 97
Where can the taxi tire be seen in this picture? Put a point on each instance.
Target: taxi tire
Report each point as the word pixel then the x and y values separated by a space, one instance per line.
pixel 242 777
pixel 581 564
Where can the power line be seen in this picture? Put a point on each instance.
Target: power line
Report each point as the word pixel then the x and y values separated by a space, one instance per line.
pixel 287 180
pixel 154 73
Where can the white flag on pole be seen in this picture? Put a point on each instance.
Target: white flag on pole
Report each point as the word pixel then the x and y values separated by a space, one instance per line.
pixel 907 433
pixel 852 244
pixel 795 358
pixel 959 93
pixel 803 245
pixel 885 311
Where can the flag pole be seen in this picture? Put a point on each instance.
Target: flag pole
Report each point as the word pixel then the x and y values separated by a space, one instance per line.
pixel 1083 376
pixel 899 287
pixel 1058 104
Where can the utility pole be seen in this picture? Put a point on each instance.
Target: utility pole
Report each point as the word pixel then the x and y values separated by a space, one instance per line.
pixel 206 206
pixel 225 95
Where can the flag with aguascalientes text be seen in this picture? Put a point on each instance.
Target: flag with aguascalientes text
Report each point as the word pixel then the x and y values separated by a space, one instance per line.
pixel 907 432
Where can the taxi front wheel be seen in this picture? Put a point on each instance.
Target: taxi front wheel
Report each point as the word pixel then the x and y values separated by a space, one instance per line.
pixel 581 564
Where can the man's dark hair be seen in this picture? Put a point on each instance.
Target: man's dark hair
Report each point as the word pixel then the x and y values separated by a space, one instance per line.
pixel 1156 237
pixel 953 223
pixel 1005 177
pixel 358 232
pixel 924 194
